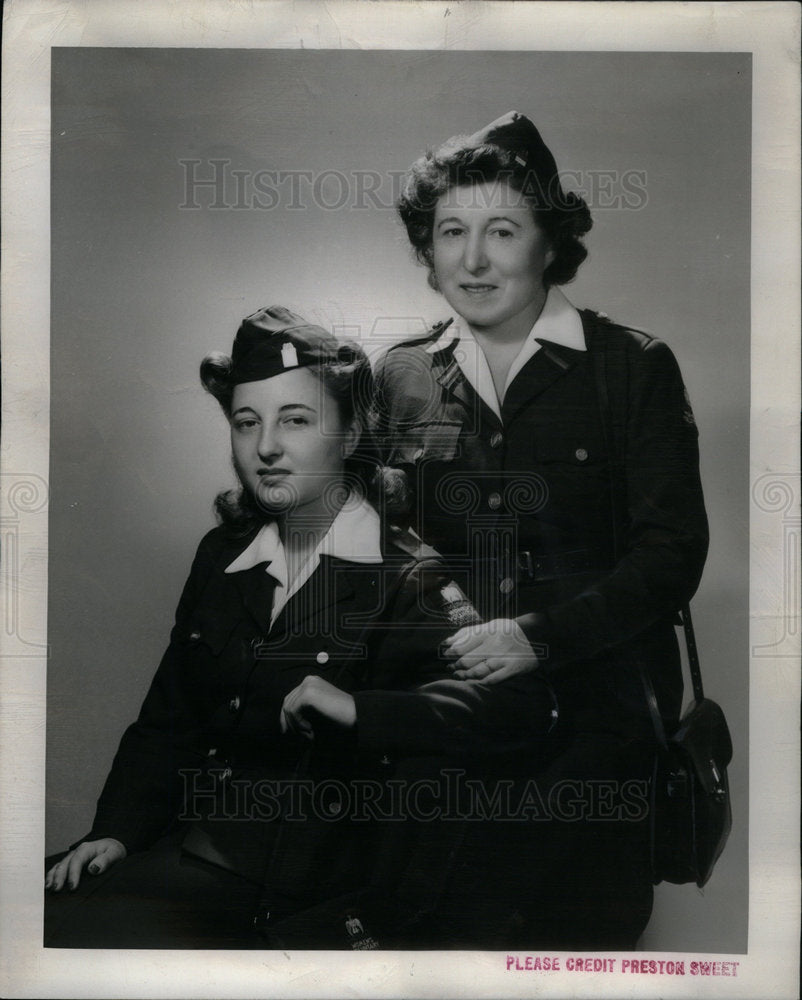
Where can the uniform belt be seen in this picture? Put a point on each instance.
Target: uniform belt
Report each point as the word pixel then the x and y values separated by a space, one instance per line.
pixel 533 567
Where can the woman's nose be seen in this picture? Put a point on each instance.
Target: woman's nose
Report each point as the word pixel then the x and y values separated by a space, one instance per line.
pixel 474 258
pixel 269 444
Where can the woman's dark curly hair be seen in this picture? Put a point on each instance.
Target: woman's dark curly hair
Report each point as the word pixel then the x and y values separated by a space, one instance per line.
pixel 564 218
pixel 347 378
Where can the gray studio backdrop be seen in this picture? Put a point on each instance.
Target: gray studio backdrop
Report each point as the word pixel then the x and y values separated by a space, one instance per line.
pixel 151 268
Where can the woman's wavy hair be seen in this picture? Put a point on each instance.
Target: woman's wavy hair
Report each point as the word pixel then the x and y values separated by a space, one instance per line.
pixel 563 217
pixel 348 380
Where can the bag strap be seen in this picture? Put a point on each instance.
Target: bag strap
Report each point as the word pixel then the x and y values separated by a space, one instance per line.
pixel 602 352
pixel 693 654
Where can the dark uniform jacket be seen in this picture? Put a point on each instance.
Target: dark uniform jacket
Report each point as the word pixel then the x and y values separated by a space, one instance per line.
pixel 579 512
pixel 207 747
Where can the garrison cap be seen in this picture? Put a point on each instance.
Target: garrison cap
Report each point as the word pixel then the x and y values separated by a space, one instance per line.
pixel 274 340
pixel 518 135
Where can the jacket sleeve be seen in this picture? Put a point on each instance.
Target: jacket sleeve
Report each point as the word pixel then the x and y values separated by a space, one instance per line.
pixel 143 792
pixel 426 711
pixel 663 526
pixel 455 718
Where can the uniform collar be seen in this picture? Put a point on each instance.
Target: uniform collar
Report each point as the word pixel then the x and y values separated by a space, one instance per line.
pixel 354 536
pixel 558 323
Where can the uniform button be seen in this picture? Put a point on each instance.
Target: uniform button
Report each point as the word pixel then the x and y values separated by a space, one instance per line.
pixel 226 774
pixel 194 636
pixel 581 454
pixel 418 454
pixel 322 657
pixel 234 704
pixel 496 438
pixel 506 585
pixel 494 501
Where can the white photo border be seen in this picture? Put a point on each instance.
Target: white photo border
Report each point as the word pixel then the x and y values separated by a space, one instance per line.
pixel 770 31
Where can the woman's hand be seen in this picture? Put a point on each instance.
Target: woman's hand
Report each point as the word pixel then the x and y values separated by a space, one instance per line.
pixel 490 651
pixel 97 854
pixel 317 695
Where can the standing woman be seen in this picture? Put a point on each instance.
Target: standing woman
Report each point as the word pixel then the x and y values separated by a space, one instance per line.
pixel 551 456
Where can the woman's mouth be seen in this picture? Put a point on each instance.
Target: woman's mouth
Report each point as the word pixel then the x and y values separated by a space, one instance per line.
pixel 477 289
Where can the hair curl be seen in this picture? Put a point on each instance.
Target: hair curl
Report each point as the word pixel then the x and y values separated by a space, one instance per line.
pixel 563 217
pixel 348 379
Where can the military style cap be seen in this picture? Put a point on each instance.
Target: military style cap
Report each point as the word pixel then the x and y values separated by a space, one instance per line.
pixel 274 340
pixel 518 134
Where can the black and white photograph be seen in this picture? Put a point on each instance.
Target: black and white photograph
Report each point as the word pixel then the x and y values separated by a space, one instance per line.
pixel 406 552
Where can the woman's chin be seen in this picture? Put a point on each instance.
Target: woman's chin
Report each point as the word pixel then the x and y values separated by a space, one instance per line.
pixel 276 498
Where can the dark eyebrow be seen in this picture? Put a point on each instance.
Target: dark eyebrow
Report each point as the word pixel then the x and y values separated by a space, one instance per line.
pixel 494 218
pixel 297 406
pixel 505 218
pixel 287 406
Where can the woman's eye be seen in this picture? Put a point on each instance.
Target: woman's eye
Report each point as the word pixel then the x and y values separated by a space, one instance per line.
pixel 296 421
pixel 452 231
pixel 502 233
pixel 245 424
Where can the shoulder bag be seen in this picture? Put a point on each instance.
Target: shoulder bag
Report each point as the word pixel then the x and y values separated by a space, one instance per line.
pixel 689 796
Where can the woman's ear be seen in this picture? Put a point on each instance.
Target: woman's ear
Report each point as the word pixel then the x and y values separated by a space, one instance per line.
pixel 351 438
pixel 550 256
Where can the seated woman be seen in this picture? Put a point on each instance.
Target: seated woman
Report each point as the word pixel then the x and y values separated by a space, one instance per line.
pixel 196 830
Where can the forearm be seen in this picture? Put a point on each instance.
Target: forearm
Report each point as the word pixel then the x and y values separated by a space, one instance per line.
pixel 454 717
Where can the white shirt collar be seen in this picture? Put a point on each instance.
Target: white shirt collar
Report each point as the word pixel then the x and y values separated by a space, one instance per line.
pixel 559 322
pixel 354 535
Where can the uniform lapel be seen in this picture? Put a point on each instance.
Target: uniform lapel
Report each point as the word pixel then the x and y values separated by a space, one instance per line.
pixel 329 585
pixel 542 370
pixel 229 598
pixel 256 588
pixel 451 377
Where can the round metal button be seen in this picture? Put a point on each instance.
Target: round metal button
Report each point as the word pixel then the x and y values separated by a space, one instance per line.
pixel 194 636
pixel 581 454
pixel 418 455
pixel 506 585
pixel 234 704
pixel 226 774
pixel 496 438
pixel 494 501
pixel 322 657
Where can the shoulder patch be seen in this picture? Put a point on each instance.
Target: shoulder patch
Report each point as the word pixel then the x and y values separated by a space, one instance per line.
pixel 457 607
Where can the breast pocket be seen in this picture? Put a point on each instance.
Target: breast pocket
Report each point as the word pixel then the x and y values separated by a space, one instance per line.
pixel 575 469
pixel 203 636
